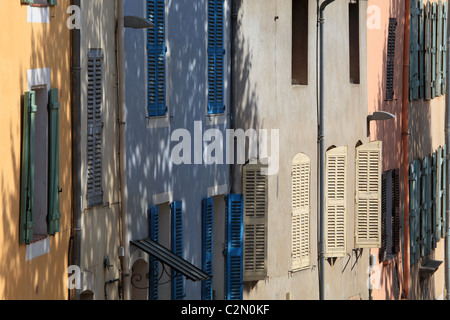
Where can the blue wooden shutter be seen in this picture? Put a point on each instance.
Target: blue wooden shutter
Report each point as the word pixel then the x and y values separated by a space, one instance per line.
pixel 207 246
pixel 27 170
pixel 234 238
pixel 154 269
pixel 156 51
pixel 215 57
pixel 414 210
pixel 54 213
pixel 177 248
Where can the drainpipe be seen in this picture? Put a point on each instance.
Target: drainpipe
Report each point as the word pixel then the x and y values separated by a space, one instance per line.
pixel 405 148
pixel 122 160
pixel 321 137
pixel 76 145
pixel 447 141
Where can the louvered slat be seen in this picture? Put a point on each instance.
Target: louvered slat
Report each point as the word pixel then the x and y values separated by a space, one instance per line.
pixel 301 172
pixel 335 202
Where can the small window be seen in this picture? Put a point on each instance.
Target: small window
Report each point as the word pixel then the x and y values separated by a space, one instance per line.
pixel 299 42
pixel 353 21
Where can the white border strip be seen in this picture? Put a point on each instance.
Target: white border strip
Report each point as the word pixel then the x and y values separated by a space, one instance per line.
pixel 217 190
pixel 38 14
pixel 38 249
pixel 38 77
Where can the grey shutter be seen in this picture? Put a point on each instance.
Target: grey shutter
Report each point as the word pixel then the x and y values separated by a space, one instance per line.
pixel 94 128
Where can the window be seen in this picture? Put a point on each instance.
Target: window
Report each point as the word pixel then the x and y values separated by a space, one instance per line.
pixel 39 194
pixel 255 223
pixel 390 211
pixel 215 57
pixel 335 202
pixel 166 228
pixel 368 195
pixel 300 42
pixel 94 191
pixel 301 176
pixel 156 51
pixel 353 16
pixel 427 198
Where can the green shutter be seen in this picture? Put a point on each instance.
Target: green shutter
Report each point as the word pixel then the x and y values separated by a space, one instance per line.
pixel 54 213
pixel 52 2
pixel 439 49
pixel 435 219
pixel 414 52
pixel 433 49
pixel 444 49
pixel 427 41
pixel 421 50
pixel 27 170
pixel 414 210
pixel 27 1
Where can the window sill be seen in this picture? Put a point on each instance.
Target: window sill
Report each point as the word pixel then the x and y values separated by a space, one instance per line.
pixel 158 122
pixel 216 119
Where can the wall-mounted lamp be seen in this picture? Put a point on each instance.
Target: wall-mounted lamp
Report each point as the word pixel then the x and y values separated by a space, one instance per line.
pixel 378 116
pixel 137 23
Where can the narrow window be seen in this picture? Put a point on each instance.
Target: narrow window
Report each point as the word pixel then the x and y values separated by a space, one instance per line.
pixel 299 42
pixel 353 21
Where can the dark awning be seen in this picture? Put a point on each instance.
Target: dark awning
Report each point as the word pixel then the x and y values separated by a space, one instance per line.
pixel 167 257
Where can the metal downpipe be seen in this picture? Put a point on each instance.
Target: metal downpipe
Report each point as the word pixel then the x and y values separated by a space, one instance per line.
pixel 321 139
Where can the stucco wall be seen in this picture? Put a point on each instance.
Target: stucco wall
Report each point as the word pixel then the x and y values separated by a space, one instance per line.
pixel 27 46
pixel 150 171
pixel 101 224
pixel 266 99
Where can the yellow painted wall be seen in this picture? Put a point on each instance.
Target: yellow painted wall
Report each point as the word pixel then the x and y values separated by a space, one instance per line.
pixel 25 46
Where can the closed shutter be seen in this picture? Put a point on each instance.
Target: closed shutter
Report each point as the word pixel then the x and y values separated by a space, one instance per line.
pixel 54 213
pixel 234 254
pixel 435 225
pixel 428 37
pixel 215 57
pixel 207 246
pixel 421 49
pixel 444 49
pixel 156 51
pixel 368 195
pixel 414 51
pixel 154 264
pixel 426 207
pixel 396 213
pixel 414 210
pixel 384 216
pixel 95 128
pixel 433 48
pixel 390 60
pixel 177 248
pixel 439 49
pixel 301 176
pixel 335 202
pixel 27 168
pixel 255 223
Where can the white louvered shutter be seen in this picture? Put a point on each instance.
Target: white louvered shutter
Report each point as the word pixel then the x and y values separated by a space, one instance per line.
pixel 335 202
pixel 255 223
pixel 368 195
pixel 95 128
pixel 301 176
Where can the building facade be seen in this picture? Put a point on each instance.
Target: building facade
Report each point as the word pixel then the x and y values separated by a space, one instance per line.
pixel 407 266
pixel 177 78
pixel 36 150
pixel 275 87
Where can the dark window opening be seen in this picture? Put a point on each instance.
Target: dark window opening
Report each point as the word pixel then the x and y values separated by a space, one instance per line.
pixel 300 42
pixel 353 16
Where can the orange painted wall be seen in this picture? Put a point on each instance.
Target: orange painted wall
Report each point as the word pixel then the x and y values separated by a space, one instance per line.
pixel 25 46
